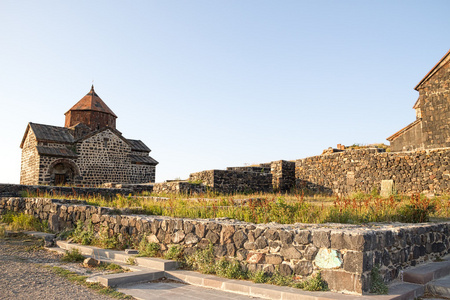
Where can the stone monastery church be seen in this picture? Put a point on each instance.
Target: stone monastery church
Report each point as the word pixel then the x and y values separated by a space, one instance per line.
pixel 431 129
pixel 88 150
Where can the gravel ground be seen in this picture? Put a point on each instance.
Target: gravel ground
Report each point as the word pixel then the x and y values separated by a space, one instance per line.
pixel 23 275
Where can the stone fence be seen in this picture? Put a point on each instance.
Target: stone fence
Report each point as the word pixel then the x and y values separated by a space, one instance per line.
pixel 344 254
pixel 232 181
pixel 426 171
pixel 15 190
pixel 178 187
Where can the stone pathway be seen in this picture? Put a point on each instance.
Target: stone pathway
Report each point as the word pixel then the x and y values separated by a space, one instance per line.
pixel 163 290
pixel 23 275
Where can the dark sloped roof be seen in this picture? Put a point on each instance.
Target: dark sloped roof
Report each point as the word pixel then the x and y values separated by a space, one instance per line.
pixel 138 145
pixel 403 130
pixel 51 151
pixel 436 68
pixel 147 160
pixel 92 102
pixel 51 133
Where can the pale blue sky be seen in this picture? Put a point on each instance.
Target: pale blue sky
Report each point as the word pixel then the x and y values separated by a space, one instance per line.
pixel 211 84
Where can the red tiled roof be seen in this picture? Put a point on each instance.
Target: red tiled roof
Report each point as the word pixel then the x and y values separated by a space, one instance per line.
pixel 92 102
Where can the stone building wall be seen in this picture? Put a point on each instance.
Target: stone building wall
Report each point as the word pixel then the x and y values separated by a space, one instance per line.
pixel 228 181
pixel 104 158
pixel 426 171
pixel 283 175
pixel 29 166
pixel 345 254
pixel 434 98
pixel 142 173
pixel 411 139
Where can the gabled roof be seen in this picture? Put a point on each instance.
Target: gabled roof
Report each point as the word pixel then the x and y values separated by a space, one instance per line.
pixel 146 160
pixel 138 145
pixel 403 130
pixel 58 152
pixel 48 133
pixel 436 68
pixel 113 130
pixel 92 102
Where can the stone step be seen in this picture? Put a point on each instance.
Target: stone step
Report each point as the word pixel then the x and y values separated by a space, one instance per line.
pixel 439 287
pixel 129 277
pixel 121 256
pixel 425 273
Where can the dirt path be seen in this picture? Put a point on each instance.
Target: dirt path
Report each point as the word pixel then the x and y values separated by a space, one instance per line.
pixel 23 275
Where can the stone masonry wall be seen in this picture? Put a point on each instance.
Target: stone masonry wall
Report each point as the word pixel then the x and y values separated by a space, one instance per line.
pixel 142 173
pixel 29 167
pixel 15 190
pixel 434 96
pixel 426 171
pixel 283 175
pixel 345 254
pixel 104 158
pixel 228 181
pixel 178 187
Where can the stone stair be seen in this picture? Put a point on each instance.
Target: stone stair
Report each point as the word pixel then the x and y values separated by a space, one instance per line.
pixel 428 281
pixel 432 279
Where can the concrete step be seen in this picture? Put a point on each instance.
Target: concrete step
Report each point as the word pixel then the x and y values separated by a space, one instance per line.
pixel 439 287
pixel 425 273
pixel 121 256
pixel 130 277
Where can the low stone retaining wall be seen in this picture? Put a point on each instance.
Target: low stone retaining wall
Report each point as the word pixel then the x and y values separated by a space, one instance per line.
pixel 345 254
pixel 178 187
pixel 232 181
pixel 15 190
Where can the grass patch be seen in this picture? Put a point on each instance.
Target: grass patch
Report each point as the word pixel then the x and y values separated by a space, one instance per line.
pixel 81 280
pixel 73 255
pixel 21 221
pixel 297 207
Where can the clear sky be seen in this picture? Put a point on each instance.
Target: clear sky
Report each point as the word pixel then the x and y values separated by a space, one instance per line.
pixel 210 84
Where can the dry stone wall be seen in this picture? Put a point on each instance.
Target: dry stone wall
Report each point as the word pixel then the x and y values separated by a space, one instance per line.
pixel 178 187
pixel 283 175
pixel 426 171
pixel 345 254
pixel 232 181
pixel 15 190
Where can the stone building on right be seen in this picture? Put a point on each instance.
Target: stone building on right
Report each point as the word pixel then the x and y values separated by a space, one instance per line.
pixel 431 129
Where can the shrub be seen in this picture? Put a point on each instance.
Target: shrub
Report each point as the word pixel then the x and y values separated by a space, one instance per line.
pixel 230 269
pixel 83 234
pixel 175 253
pixel 148 249
pixel 203 260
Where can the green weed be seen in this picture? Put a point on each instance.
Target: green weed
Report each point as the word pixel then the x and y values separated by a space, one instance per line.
pixel 73 255
pixel 377 283
pixel 148 249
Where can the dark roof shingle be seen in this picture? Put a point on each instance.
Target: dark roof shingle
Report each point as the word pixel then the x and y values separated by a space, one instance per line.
pixel 51 133
pixel 146 160
pixel 52 151
pixel 138 145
